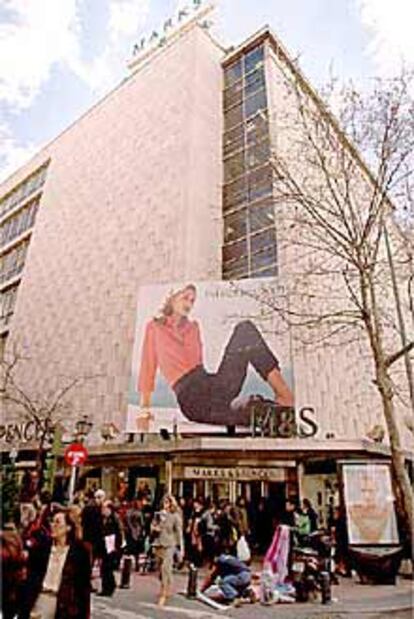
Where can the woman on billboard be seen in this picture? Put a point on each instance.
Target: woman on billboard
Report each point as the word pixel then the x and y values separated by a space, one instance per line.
pixel 173 344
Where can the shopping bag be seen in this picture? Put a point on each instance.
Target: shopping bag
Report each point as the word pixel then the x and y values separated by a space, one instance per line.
pixel 243 550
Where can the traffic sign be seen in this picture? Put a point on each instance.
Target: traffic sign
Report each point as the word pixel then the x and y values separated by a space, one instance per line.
pixel 75 454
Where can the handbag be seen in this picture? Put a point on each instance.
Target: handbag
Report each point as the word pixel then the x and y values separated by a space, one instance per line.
pixel 243 550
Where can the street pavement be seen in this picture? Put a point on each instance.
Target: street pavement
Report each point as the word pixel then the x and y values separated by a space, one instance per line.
pixel 351 601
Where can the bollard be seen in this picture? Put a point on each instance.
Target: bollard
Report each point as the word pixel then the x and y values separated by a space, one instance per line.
pixel 126 572
pixel 326 588
pixel 192 581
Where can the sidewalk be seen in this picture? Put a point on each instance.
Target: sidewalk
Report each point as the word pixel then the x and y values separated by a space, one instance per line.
pixel 351 600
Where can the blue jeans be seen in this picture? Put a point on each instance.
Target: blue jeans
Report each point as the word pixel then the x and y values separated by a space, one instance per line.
pixel 234 584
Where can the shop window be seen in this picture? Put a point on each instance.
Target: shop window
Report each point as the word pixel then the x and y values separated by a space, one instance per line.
pixel 233 73
pixel 235 226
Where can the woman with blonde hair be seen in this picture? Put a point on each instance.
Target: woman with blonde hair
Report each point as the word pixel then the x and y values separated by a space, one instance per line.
pixel 173 344
pixel 168 531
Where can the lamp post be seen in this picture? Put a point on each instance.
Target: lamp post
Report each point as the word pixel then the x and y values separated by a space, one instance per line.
pixel 82 428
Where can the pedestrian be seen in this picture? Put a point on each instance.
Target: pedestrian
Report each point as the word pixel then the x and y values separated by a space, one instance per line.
pixel 311 513
pixel 233 576
pixel 135 530
pixel 58 582
pixel 92 526
pixel 195 534
pixel 13 563
pixel 168 530
pixel 112 542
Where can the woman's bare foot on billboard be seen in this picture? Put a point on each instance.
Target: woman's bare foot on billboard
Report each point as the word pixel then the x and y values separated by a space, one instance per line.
pixel 143 421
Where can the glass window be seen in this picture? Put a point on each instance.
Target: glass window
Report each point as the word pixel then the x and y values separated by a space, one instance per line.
pixel 261 216
pixel 233 140
pixel 236 270
pixel 233 95
pixel 233 116
pixel 233 73
pixel 269 272
pixel 235 226
pixel 253 59
pixel 7 301
pixel 254 81
pixel 234 193
pixel 262 240
pixel 234 166
pixel 255 103
pixel 265 258
pixel 258 154
pixel 260 183
pixel 257 128
pixel 235 251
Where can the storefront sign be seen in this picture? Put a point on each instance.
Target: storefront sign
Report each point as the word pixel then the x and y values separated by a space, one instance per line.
pixel 236 474
pixel 25 432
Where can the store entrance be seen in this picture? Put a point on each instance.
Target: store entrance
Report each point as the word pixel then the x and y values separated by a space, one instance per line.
pixel 219 490
pixel 276 499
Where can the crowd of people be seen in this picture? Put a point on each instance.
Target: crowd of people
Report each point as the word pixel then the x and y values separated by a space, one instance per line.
pixel 50 552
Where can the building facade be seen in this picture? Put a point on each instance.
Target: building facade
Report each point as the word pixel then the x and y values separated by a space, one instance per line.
pixel 168 178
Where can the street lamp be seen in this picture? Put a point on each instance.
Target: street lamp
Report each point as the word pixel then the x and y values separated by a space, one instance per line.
pixel 13 454
pixel 83 427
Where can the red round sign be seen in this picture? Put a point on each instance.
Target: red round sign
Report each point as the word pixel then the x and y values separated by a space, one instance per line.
pixel 75 454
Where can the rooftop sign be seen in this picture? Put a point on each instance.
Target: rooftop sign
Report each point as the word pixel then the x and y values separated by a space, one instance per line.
pixel 196 11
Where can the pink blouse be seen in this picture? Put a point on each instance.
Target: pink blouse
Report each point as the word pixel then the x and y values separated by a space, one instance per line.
pixel 174 348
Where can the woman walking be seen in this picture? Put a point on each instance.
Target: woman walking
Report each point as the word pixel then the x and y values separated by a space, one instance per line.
pixel 58 582
pixel 168 531
pixel 173 343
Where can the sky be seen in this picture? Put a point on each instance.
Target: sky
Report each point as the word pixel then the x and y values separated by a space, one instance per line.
pixel 59 57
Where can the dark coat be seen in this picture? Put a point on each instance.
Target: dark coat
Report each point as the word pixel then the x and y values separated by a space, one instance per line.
pixel 92 528
pixel 73 598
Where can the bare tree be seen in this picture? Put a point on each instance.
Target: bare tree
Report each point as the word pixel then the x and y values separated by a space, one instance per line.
pixel 343 195
pixel 46 410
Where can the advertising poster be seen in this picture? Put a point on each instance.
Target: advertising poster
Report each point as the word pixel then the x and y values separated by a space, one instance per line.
pixel 369 503
pixel 201 349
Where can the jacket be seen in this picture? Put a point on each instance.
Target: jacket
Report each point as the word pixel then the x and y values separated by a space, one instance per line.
pixel 73 596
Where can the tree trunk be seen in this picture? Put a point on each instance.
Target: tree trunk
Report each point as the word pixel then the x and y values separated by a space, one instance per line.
pixel 384 385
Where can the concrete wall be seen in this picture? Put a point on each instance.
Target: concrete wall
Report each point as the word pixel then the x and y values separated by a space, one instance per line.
pixel 334 375
pixel 132 196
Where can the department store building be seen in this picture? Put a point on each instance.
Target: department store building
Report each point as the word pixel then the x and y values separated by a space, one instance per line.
pixel 168 179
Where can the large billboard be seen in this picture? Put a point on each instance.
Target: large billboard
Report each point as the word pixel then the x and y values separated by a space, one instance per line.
pixel 203 351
